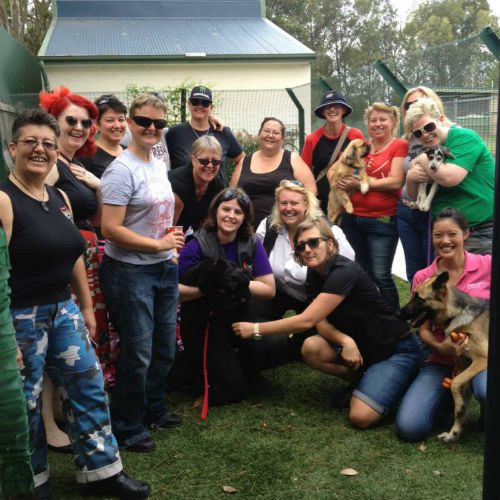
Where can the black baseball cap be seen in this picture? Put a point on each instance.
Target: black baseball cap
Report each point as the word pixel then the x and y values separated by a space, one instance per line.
pixel 200 92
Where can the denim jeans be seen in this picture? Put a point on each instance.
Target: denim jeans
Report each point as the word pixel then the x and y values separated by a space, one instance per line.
pixel 480 240
pixel 55 334
pixel 426 399
pixel 375 240
pixel 142 302
pixel 413 229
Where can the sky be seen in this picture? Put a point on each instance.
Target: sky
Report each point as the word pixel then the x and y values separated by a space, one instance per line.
pixel 403 7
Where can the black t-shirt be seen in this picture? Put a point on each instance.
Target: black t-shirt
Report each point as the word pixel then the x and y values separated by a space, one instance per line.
pixel 43 248
pixel 363 314
pixel 98 163
pixel 194 211
pixel 180 138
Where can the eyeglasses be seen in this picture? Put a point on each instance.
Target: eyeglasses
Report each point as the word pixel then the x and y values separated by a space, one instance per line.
pixel 73 122
pixel 145 122
pixel 428 127
pixel 231 194
pixel 33 143
pixel 295 182
pixel 206 161
pixel 409 103
pixel 200 102
pixel 311 243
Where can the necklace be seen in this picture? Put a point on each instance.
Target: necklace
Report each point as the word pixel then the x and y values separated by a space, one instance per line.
pixel 199 135
pixel 43 203
pixel 65 157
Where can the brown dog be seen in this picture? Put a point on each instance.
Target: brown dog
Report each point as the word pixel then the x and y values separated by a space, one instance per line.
pixel 350 163
pixel 454 311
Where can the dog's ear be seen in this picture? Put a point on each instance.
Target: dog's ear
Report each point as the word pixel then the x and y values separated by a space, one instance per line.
pixel 447 153
pixel 351 153
pixel 441 280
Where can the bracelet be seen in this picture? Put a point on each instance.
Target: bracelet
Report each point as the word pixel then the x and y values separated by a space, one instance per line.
pixel 256 332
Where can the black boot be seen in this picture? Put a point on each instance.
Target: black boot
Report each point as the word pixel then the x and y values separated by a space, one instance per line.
pixel 119 486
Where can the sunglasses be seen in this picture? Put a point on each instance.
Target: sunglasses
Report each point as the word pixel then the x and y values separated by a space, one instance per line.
pixel 231 194
pixel 295 182
pixel 106 99
pixel 311 243
pixel 428 127
pixel 206 161
pixel 200 102
pixel 409 103
pixel 73 122
pixel 145 122
pixel 33 143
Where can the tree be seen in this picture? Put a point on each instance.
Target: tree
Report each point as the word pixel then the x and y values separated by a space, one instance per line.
pixel 27 21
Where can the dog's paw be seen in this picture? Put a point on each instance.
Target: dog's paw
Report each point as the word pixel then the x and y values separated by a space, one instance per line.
pixel 364 187
pixel 448 437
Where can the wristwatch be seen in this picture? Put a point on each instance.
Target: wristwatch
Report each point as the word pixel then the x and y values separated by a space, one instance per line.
pixel 256 331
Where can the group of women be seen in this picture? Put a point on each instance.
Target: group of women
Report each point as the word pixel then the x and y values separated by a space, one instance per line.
pixel 337 280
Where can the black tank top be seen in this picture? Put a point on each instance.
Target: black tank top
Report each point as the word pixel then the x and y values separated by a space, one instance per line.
pixel 83 199
pixel 260 187
pixel 43 248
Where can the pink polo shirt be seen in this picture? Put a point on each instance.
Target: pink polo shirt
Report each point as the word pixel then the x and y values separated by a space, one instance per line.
pixel 475 281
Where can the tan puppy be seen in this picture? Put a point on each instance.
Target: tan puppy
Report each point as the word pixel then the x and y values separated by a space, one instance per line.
pixel 350 163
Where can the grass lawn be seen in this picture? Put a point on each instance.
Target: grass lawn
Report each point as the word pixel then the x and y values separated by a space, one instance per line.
pixel 286 442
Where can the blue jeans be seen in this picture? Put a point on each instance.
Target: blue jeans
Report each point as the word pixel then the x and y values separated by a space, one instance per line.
pixel 480 239
pixel 142 303
pixel 375 240
pixel 55 334
pixel 413 229
pixel 426 399
pixel 385 382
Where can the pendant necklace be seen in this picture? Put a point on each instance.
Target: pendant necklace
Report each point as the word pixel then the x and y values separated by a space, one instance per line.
pixel 43 203
pixel 200 135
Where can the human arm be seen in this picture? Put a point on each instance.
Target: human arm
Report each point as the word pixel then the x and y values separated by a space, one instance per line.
pixel 303 173
pixel 263 286
pixel 236 174
pixel 323 305
pixel 446 347
pixel 447 175
pixel 6 215
pixel 114 230
pixel 393 181
pixel 215 123
pixel 349 349
pixel 80 287
pixel 179 205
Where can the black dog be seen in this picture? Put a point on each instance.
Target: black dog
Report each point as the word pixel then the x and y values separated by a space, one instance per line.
pixel 225 285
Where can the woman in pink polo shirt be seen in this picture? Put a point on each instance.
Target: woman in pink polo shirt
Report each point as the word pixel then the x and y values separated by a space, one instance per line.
pixel 426 398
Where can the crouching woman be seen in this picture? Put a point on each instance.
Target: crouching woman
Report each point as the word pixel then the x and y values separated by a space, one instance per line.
pixel 360 337
pixel 227 234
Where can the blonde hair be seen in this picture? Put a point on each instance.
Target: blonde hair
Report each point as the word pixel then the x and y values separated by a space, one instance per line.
pixel 206 143
pixel 147 100
pixel 427 93
pixel 424 107
pixel 324 230
pixel 312 204
pixel 393 111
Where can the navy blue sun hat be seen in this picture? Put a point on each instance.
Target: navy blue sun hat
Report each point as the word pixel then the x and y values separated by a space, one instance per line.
pixel 329 98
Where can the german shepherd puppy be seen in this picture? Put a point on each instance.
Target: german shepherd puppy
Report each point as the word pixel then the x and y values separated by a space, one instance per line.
pixel 454 311
pixel 350 163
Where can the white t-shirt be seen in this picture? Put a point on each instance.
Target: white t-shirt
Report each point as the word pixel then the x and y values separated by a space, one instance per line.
pixel 289 275
pixel 144 189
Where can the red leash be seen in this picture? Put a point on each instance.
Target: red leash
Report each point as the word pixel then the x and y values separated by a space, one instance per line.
pixel 204 406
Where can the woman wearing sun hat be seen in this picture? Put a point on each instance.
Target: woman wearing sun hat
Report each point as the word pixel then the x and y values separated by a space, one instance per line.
pixel 332 137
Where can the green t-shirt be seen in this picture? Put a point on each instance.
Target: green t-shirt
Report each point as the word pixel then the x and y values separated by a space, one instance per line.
pixel 474 195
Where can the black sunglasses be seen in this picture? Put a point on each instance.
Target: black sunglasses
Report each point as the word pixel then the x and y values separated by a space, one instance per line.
pixel 311 243
pixel 33 143
pixel 200 102
pixel 409 103
pixel 105 99
pixel 231 194
pixel 428 127
pixel 206 161
pixel 145 122
pixel 72 122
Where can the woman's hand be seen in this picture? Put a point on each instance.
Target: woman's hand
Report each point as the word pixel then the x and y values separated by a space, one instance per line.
pixel 417 174
pixel 171 241
pixel 351 355
pixel 89 319
pixel 450 348
pixel 243 330
pixel 19 357
pixel 83 175
pixel 350 183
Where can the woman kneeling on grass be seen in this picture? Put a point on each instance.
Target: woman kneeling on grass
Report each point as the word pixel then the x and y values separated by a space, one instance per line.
pixel 360 337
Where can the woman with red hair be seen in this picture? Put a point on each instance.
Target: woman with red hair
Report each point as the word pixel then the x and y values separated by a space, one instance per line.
pixel 76 116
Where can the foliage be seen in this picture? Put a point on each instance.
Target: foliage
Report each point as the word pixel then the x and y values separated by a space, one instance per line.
pixel 27 21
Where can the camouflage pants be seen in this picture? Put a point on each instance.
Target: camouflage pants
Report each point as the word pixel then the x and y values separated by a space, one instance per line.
pixel 55 335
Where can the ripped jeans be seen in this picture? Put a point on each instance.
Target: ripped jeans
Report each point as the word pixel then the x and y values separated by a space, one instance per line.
pixel 53 337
